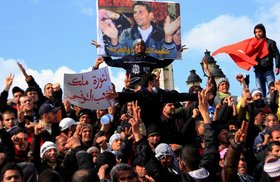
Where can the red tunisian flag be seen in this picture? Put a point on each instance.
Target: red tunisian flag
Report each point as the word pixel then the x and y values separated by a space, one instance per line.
pixel 244 53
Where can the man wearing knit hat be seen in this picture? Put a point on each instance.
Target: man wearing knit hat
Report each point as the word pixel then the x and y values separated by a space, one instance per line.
pixel 49 158
pixel 264 69
pixel 271 169
pixel 222 90
pixel 48 151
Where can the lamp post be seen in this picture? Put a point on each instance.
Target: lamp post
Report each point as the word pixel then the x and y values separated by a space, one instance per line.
pixel 217 73
pixel 193 79
pixel 207 63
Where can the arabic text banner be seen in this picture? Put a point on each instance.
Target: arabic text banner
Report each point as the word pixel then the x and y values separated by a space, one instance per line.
pixel 87 89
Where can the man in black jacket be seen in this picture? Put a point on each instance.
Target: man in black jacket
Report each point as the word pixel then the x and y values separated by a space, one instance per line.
pixel 151 99
pixel 264 69
pixel 139 63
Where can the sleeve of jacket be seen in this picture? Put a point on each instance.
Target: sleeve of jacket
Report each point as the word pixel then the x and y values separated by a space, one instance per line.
pixel 229 172
pixel 3 98
pixel 276 55
pixel 152 165
pixel 35 151
pixel 130 96
pixel 114 62
pixel 188 131
pixel 210 157
pixel 33 83
pixel 174 96
pixel 273 102
pixel 162 63
pixel 7 145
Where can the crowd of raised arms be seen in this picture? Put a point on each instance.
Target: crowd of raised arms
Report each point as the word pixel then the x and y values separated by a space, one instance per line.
pixel 149 134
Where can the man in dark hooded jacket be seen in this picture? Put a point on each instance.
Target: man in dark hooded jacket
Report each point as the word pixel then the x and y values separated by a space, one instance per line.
pixel 264 69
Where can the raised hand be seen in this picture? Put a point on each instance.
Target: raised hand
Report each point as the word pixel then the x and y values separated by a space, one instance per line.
pixel 170 28
pixel 27 77
pixel 240 135
pixel 95 43
pixel 73 142
pixel 240 78
pixel 38 129
pixel 277 85
pixel 108 28
pixel 182 48
pixel 101 172
pixel 105 14
pixel 203 106
pixel 9 82
pixel 135 121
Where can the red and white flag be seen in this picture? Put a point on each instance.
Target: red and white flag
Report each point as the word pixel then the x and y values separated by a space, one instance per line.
pixel 244 53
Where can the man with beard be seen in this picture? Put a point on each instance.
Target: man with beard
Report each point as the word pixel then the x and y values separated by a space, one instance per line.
pixel 153 136
pixel 171 125
pixel 46 156
pixel 48 122
pixel 60 142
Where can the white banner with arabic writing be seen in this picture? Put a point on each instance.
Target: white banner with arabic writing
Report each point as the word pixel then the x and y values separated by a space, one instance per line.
pixel 87 90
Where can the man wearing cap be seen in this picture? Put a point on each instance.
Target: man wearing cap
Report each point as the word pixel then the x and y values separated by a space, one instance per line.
pixel 47 157
pixel 139 63
pixel 153 37
pixel 17 93
pixel 48 121
pixel 67 126
pixel 153 136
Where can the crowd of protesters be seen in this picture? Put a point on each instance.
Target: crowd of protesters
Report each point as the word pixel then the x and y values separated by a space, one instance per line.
pixel 150 134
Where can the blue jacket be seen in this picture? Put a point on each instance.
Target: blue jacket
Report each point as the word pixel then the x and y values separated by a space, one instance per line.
pixel 155 44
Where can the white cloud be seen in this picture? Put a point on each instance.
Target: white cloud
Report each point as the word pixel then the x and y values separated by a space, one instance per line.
pixel 222 30
pixel 228 29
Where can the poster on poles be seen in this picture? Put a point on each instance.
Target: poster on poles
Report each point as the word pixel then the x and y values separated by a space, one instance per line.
pixel 120 22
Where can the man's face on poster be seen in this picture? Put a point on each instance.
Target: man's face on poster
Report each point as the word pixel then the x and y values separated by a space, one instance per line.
pixel 142 17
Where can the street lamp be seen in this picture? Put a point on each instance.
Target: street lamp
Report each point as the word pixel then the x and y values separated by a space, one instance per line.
pixel 207 63
pixel 193 79
pixel 217 73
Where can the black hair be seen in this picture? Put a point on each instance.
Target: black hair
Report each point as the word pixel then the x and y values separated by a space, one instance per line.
pixel 106 158
pixel 271 144
pixel 10 166
pixel 85 175
pixel 147 78
pixel 140 3
pixel 17 89
pixel 117 168
pixel 260 26
pixel 49 175
pixel 191 157
pixel 30 89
